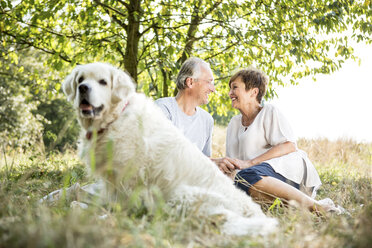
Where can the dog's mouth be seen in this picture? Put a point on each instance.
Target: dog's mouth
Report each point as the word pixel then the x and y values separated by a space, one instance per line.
pixel 88 109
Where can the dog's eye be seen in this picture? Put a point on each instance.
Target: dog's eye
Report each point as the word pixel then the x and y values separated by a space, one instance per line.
pixel 103 82
pixel 81 79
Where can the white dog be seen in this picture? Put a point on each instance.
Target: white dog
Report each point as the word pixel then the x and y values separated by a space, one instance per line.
pixel 113 115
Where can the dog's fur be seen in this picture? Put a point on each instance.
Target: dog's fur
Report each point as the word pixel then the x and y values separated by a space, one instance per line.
pixel 142 137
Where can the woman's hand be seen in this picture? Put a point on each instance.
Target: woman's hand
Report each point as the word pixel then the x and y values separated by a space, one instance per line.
pixel 229 165
pixel 225 165
pixel 241 164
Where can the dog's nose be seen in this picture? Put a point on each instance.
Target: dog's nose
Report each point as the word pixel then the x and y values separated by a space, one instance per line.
pixel 83 88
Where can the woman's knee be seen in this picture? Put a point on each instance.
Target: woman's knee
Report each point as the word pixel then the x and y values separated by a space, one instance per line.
pixel 244 179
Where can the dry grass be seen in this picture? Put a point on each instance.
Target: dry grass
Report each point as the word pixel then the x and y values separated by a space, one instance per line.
pixel 219 142
pixel 344 167
pixel 342 154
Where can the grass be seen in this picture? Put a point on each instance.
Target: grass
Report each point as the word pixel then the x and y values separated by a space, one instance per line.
pixel 344 167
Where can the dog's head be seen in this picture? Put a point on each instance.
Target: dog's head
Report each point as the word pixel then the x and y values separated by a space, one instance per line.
pixel 96 88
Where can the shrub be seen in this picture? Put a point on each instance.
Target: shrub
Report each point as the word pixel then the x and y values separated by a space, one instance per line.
pixel 60 126
pixel 19 128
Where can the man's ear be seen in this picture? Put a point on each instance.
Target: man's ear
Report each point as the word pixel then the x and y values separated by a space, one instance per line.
pixel 122 85
pixel 69 85
pixel 189 82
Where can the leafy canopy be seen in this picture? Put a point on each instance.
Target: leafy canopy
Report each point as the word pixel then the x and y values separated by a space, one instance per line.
pixel 151 39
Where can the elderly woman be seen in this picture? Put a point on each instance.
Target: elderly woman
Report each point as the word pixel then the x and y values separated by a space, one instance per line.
pixel 260 143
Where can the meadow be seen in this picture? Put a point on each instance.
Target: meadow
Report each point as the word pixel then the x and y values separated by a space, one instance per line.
pixel 345 168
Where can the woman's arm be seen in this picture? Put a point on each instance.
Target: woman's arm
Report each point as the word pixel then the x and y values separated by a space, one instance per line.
pixel 274 152
pixel 228 165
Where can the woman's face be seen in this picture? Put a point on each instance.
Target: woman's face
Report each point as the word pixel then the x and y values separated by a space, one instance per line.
pixel 241 97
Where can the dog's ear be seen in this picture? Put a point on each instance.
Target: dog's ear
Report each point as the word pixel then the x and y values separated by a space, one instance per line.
pixel 122 85
pixel 69 85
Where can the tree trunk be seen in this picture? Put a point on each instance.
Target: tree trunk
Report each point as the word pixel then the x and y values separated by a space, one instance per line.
pixel 165 83
pixel 193 28
pixel 133 36
pixel 164 74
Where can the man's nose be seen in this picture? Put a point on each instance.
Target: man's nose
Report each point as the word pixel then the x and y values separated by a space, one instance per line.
pixel 213 89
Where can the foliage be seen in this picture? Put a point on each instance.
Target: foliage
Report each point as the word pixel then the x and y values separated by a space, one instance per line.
pixel 25 178
pixel 60 124
pixel 151 39
pixel 19 127
pixel 31 110
pixel 40 41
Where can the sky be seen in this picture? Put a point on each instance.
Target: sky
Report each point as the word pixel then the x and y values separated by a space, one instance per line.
pixel 336 106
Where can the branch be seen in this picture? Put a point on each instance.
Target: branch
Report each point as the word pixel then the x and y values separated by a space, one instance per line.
pixel 145 49
pixel 106 8
pixel 122 24
pixel 43 28
pixel 213 7
pixel 39 48
pixel 110 8
pixel 224 50
pixel 147 29
pixel 123 3
pixel 120 51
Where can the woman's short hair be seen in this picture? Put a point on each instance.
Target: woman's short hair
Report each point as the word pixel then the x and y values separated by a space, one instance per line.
pixel 252 78
pixel 191 68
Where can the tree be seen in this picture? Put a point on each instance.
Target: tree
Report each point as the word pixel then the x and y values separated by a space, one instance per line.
pixel 31 111
pixel 151 39
pixel 19 127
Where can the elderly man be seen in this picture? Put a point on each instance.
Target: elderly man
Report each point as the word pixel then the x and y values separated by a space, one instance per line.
pixel 194 83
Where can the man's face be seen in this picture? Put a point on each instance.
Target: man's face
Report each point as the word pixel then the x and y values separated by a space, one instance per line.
pixel 203 85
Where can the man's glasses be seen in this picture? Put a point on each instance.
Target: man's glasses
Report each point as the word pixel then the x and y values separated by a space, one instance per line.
pixel 205 80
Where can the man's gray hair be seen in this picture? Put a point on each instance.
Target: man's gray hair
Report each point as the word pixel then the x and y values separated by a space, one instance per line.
pixel 191 68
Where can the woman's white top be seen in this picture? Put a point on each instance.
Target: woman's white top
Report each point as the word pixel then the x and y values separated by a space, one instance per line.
pixel 268 129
